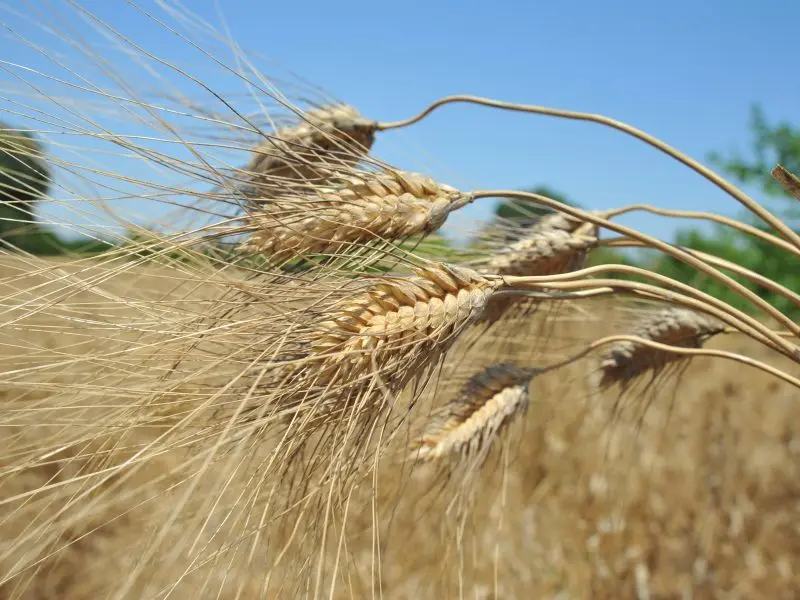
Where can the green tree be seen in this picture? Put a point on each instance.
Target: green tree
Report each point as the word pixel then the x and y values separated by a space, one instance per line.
pixel 24 179
pixel 771 144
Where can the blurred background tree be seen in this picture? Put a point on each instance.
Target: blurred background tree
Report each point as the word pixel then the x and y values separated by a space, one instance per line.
pixel 24 179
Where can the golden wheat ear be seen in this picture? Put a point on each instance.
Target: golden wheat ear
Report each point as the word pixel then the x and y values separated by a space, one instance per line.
pixel 361 208
pixel 399 322
pixel 626 361
pixel 367 341
pixel 331 137
pixel 468 424
pixel 554 245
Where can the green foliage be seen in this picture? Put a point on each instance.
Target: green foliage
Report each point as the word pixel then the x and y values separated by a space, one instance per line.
pixel 34 240
pixel 752 253
pixel 772 144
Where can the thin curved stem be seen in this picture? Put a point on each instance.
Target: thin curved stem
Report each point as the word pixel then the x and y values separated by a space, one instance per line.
pixel 732 190
pixel 789 334
pixel 692 298
pixel 675 350
pixel 718 262
pixel 651 242
pixel 690 214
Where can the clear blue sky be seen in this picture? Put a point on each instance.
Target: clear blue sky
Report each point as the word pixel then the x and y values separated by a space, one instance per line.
pixel 684 71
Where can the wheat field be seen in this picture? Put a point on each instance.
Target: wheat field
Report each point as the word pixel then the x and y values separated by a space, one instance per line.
pixel 287 384
pixel 588 496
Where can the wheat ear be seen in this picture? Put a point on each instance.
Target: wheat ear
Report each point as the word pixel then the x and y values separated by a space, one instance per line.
pixel 546 251
pixel 358 354
pixel 555 245
pixel 362 208
pixel 625 360
pixel 400 323
pixel 351 347
pixel 469 423
pixel 331 136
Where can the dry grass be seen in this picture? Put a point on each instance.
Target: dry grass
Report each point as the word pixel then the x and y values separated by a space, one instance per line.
pixel 184 420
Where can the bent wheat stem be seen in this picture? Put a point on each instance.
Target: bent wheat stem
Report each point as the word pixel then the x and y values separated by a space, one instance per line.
pixel 691 298
pixel 721 263
pixel 732 190
pixel 654 243
pixel 690 214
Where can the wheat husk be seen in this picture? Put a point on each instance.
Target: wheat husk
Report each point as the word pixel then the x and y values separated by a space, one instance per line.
pixel 468 424
pixel 626 360
pixel 392 205
pixel 334 136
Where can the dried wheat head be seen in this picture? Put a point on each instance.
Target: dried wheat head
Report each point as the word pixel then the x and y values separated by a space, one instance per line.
pixel 468 424
pixel 503 235
pixel 365 348
pixel 400 322
pixel 545 251
pixel 360 209
pixel 625 360
pixel 332 136
pixel 549 248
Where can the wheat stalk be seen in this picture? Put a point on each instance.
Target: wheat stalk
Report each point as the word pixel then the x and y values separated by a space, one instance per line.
pixel 468 424
pixel 625 361
pixel 765 215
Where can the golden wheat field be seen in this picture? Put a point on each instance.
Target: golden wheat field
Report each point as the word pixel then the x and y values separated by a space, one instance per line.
pixel 261 367
pixel 694 497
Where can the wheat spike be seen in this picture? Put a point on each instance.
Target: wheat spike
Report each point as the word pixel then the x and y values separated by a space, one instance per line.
pixel 330 136
pixel 547 250
pixel 365 345
pixel 401 321
pixel 392 328
pixel 506 234
pixel 555 245
pixel 364 208
pixel 679 327
pixel 564 222
pixel 468 423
